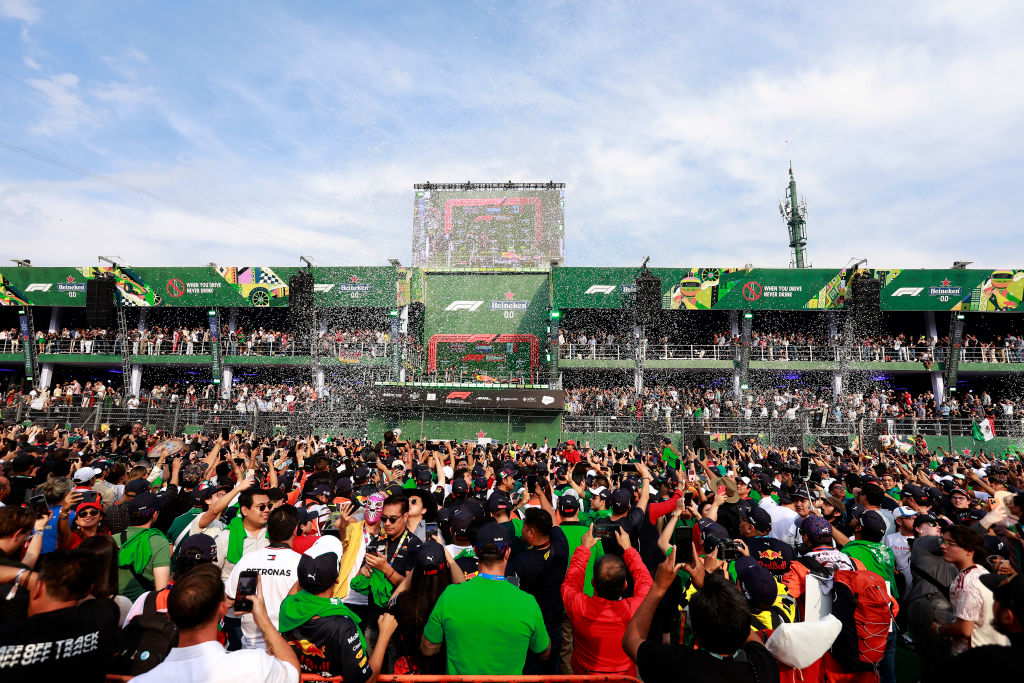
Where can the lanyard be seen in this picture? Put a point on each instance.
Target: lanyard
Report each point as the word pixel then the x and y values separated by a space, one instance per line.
pixel 492 577
pixel 398 548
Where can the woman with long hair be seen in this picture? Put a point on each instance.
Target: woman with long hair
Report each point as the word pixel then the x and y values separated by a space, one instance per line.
pixel 971 627
pixel 103 551
pixel 412 603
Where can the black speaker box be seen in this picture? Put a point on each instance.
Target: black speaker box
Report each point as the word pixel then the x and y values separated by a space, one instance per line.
pixel 99 303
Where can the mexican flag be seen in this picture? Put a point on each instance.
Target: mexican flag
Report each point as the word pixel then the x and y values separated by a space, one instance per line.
pixel 985 429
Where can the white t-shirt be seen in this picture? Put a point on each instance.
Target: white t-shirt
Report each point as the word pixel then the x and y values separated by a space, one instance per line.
pixel 277 568
pixel 973 602
pixel 783 519
pixel 210 663
pixel 901 549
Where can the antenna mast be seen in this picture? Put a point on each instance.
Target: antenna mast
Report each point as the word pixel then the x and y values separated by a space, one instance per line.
pixel 794 212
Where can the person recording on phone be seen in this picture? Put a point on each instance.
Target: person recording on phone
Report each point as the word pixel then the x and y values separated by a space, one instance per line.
pixel 196 606
pixel 599 621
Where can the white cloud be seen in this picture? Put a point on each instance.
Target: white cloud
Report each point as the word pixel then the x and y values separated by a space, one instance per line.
pixel 22 10
pixel 62 91
pixel 32 64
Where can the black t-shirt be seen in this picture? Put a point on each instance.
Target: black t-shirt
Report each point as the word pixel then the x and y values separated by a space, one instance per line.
pixel 657 663
pixel 399 553
pixel 729 517
pixel 771 553
pixel 74 643
pixel 331 646
pixel 989 662
pixel 541 572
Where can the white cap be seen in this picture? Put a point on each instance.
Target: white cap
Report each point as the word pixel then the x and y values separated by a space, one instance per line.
pixel 448 472
pixel 904 511
pixel 598 490
pixel 396 431
pixel 86 473
pixel 397 463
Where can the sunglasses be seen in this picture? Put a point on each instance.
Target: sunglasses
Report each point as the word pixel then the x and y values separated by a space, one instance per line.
pixel 943 541
pixel 89 513
pixel 263 506
pixel 390 519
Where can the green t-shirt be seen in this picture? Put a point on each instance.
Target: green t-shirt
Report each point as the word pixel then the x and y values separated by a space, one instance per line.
pixel 877 558
pixel 491 641
pixel 128 585
pixel 574 534
pixel 670 458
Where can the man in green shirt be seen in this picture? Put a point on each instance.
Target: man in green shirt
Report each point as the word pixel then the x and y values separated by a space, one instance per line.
pixel 487 623
pixel 144 560
pixel 598 501
pixel 869 549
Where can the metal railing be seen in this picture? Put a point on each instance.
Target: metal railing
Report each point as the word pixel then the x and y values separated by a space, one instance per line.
pixel 150 347
pixel 787 353
pixel 336 418
pixel 816 422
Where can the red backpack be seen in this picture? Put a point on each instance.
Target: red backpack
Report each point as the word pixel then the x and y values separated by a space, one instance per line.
pixel 866 609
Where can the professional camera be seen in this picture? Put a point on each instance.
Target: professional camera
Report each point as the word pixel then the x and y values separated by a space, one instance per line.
pixel 728 549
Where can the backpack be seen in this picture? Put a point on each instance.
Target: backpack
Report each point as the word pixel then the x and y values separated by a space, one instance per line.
pixel 861 601
pixel 146 640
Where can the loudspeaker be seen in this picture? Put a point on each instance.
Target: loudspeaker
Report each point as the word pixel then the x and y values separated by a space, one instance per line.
pixel 300 303
pixel 866 304
pixel 99 303
pixel 648 300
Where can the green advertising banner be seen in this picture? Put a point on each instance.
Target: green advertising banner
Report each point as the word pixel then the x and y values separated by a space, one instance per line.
pixel 792 289
pixel 241 286
pixel 953 290
pixel 705 288
pixel 486 326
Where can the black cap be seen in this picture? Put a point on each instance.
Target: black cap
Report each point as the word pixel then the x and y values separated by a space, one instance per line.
pixel 492 538
pixel 145 503
pixel 202 495
pixel 318 573
pixel 1009 593
pixel 361 474
pixel 568 504
pixel 422 474
pixel 460 487
pixel 198 548
pixel 509 470
pixel 136 486
pixel 430 557
pixel 757 516
pixel 498 502
pixel 873 525
pixel 927 518
pixel 621 501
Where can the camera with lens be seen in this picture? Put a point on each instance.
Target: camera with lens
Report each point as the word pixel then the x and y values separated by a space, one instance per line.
pixel 728 549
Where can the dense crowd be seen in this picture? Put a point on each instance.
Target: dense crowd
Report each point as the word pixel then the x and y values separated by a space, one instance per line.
pixel 240 397
pixel 795 346
pixel 709 403
pixel 187 340
pixel 228 557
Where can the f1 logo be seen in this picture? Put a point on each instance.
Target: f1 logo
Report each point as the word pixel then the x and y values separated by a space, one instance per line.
pixel 908 291
pixel 464 305
pixel 459 394
pixel 39 287
pixel 600 289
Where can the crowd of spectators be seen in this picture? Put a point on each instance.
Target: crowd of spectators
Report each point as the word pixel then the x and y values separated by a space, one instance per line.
pixel 794 346
pixel 186 340
pixel 710 403
pixel 222 559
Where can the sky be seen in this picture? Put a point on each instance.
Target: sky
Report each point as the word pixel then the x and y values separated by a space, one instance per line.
pixel 252 132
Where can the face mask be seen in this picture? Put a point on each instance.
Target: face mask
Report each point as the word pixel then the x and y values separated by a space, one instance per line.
pixel 374 507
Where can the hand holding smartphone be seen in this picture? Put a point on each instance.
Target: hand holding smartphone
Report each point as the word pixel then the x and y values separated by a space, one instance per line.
pixel 247 584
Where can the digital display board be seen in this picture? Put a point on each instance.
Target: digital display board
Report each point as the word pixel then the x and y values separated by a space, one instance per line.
pixel 488 225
